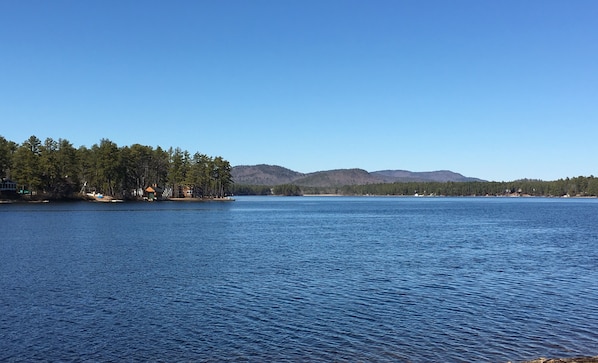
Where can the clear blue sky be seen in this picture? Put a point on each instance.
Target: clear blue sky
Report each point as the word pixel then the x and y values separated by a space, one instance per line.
pixel 499 90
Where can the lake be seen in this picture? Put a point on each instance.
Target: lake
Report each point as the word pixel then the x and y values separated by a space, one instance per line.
pixel 295 279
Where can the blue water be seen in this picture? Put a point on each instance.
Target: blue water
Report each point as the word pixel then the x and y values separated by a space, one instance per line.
pixel 300 279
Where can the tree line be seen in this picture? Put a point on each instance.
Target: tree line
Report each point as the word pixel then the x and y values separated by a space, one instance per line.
pixel 56 169
pixel 577 186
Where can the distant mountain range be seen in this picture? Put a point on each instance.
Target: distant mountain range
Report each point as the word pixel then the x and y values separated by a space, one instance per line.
pixel 276 175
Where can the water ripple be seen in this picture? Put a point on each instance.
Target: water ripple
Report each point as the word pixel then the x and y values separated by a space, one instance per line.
pixel 288 280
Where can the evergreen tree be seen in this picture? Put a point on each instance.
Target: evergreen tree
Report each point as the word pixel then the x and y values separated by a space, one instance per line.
pixel 107 165
pixel 27 172
pixel 7 150
pixel 178 170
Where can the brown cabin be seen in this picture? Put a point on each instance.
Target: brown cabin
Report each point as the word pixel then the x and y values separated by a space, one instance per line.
pixel 153 193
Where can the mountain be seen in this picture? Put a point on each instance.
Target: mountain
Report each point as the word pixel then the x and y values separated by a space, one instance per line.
pixel 264 175
pixel 338 178
pixel 392 176
pixel 277 175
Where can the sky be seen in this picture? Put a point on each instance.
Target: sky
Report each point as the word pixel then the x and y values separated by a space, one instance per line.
pixel 498 90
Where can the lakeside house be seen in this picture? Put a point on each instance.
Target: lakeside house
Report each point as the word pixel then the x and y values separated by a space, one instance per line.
pixel 7 186
pixel 153 193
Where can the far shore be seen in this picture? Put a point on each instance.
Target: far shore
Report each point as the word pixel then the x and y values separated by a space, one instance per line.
pixel 451 196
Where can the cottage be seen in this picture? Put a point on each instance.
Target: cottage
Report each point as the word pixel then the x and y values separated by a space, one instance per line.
pixel 153 193
pixel 7 186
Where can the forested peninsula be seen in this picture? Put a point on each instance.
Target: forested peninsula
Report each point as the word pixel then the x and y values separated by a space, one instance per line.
pixel 55 169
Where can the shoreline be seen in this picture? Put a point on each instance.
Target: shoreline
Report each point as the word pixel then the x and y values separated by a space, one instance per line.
pixel 222 199
pixel 108 199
